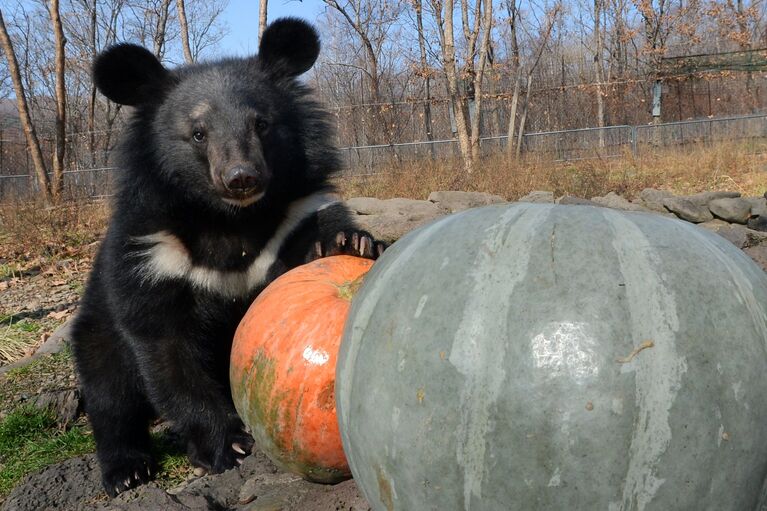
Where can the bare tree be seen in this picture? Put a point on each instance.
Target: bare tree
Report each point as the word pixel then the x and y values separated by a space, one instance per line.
pixel 476 32
pixel 57 183
pixel 184 27
pixel 370 21
pixel 599 9
pixel 513 11
pixel 425 72
pixel 360 17
pixel 205 29
pixel 262 10
pixel 33 143
pixel 161 23
pixel 543 39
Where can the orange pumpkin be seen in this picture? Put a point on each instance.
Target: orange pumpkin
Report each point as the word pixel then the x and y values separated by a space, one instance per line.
pixel 282 370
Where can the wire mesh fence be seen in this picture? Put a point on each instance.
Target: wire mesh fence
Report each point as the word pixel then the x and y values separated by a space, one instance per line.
pixel 92 175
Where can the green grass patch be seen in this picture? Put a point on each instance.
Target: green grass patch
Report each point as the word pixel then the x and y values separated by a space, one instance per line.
pixel 19 337
pixel 41 367
pixel 9 270
pixel 26 325
pixel 174 466
pixel 30 441
pixel 45 373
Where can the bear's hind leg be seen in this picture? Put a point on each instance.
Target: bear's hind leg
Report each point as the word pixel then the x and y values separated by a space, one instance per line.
pixel 115 402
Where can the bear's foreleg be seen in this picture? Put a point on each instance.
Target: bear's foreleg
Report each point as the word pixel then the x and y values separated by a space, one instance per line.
pixel 184 385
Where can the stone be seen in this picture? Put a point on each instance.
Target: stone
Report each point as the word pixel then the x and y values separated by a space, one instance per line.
pixel 454 201
pixel 615 201
pixel 66 404
pixel 758 223
pixel 735 234
pixel 55 343
pixel 410 209
pixel 538 196
pixel 652 198
pixel 702 199
pixel 151 497
pixel 576 201
pixel 387 220
pixel 758 205
pixel 731 209
pixel 687 210
pixel 759 254
pixel 74 484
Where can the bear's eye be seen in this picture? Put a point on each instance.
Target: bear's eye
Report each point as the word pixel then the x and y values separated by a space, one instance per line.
pixel 261 125
pixel 198 135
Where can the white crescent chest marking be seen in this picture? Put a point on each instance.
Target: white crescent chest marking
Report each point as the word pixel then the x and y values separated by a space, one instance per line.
pixel 166 257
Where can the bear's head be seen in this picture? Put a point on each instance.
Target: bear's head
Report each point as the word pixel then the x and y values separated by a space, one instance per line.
pixel 232 132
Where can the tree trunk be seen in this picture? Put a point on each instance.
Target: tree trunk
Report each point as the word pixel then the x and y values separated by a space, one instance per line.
pixel 513 117
pixel 523 119
pixel 478 78
pixel 492 81
pixel 262 11
pixel 448 58
pixel 598 44
pixel 160 28
pixel 418 6
pixel 33 144
pixel 513 11
pixel 57 184
pixel 184 26
pixel 92 96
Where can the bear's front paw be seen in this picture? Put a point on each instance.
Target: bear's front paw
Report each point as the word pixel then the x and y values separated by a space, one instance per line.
pixel 355 243
pixel 125 472
pixel 216 454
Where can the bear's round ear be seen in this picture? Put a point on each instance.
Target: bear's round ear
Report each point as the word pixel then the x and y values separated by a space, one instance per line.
pixel 130 75
pixel 289 46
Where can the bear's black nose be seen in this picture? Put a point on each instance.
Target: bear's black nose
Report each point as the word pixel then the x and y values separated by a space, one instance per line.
pixel 240 178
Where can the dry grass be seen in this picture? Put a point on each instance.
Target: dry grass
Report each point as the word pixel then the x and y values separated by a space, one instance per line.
pixel 738 167
pixel 29 230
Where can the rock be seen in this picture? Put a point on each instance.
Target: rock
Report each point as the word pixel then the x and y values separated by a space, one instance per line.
pixel 151 497
pixel 758 223
pixel 388 220
pixel 735 234
pixel 653 199
pixel 410 209
pixel 538 196
pixel 758 205
pixel 257 484
pixel 454 201
pixel 702 199
pixel 74 484
pixel 55 343
pixel 346 496
pixel 759 254
pixel 731 209
pixel 218 489
pixel 687 210
pixel 65 404
pixel 576 201
pixel 615 201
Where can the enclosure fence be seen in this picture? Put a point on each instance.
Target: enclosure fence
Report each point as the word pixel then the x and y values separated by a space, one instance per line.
pixel 91 173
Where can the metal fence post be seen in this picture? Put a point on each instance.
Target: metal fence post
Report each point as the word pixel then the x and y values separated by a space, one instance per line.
pixel 634 145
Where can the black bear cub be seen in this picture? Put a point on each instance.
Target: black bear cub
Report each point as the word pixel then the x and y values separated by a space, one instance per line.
pixel 224 170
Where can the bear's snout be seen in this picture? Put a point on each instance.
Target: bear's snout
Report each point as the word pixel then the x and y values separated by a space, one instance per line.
pixel 241 179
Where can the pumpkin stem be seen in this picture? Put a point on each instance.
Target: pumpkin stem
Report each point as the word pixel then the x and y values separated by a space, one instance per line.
pixel 347 290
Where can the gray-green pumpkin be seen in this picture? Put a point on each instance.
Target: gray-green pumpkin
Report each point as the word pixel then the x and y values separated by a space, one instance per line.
pixel 541 357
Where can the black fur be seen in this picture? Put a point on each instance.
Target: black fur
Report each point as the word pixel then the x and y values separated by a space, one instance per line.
pixel 146 345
